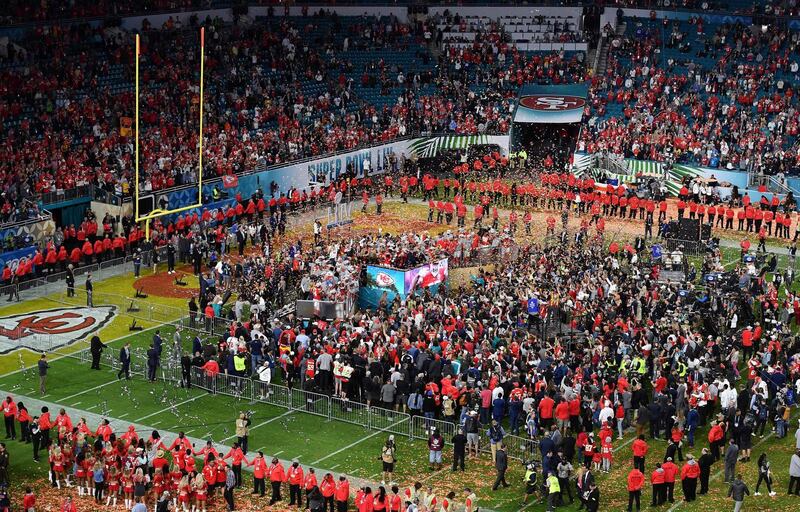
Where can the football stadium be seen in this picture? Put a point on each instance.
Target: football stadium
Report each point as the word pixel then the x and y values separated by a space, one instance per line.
pixel 399 256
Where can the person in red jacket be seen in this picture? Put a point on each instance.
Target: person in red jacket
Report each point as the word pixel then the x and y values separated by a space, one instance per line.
pixel 670 472
pixel 342 494
pixel 259 465
pixel 635 483
pixel 328 488
pixel 98 250
pixel 657 481
pixel 51 259
pixel 9 415
pixel 295 477
pixel 640 449
pixel 277 475
pixel 690 472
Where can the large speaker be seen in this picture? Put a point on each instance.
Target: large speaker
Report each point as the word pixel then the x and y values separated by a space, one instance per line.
pixel 688 229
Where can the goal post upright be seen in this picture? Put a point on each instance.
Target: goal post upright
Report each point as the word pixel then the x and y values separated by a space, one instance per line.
pixel 157 212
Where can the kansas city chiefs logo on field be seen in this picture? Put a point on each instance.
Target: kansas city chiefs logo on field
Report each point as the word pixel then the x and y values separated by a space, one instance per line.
pixel 52 328
pixel 552 102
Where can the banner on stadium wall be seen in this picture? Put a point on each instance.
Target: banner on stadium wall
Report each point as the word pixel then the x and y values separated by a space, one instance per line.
pixel 393 282
pixel 13 258
pixel 321 171
pixel 549 104
pixel 428 147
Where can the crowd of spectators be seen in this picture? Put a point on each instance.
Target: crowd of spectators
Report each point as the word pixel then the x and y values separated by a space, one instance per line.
pixel 290 91
pixel 715 95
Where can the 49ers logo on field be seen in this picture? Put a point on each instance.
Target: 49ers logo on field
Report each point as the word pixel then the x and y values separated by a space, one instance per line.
pixel 552 102
pixel 52 328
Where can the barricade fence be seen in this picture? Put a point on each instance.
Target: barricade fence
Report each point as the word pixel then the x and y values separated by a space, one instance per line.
pixel 317 404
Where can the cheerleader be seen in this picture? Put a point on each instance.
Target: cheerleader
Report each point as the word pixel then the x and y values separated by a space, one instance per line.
pixel 56 465
pixel 89 463
pixel 113 486
pixel 200 493
pixel 175 476
pixel 606 453
pixel 127 488
pixel 158 483
pixel 184 490
pixel 80 472
pixel 67 461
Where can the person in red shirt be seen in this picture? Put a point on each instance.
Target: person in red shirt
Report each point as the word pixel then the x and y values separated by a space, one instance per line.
pixel 640 449
pixel 296 478
pixel 690 472
pixel 670 472
pixel 29 501
pixel 328 488
pixel 342 494
pixel 635 484
pixel 259 465
pixel 546 406
pixel 562 415
pixel 657 481
pixel 9 415
pixel 277 475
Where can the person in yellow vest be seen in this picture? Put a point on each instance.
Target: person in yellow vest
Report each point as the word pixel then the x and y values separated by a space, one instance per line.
pixel 553 491
pixel 471 502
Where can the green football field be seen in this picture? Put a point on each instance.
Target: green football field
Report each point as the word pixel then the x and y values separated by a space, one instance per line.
pixel 331 444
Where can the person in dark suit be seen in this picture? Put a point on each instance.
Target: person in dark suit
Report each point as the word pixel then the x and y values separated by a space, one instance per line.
pixel 501 465
pixel 125 362
pixel 593 499
pixel 158 343
pixel 70 280
pixel 89 290
pixel 186 371
pixel 170 258
pixel 96 349
pixel 152 363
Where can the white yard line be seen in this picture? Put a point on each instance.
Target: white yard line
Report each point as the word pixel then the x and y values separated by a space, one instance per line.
pixel 290 411
pixel 340 450
pixel 168 408
pixel 70 397
pixel 122 415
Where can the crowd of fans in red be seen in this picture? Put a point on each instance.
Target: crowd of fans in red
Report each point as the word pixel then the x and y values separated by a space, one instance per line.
pixel 718 95
pixel 272 96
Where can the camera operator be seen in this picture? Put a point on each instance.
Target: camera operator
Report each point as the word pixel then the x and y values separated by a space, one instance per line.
pixel 243 429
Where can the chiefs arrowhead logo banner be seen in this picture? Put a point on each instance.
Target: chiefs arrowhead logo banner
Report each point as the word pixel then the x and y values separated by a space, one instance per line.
pixel 52 328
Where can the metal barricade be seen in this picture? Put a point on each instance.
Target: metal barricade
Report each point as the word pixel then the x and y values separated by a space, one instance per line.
pixel 349 411
pixel 389 420
pixel 421 427
pixel 518 448
pixel 275 395
pixel 311 403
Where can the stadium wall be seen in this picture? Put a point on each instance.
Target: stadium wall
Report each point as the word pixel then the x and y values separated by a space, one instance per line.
pixel 321 171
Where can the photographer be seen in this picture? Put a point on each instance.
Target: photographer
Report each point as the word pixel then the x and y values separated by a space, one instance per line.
pixel 243 429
